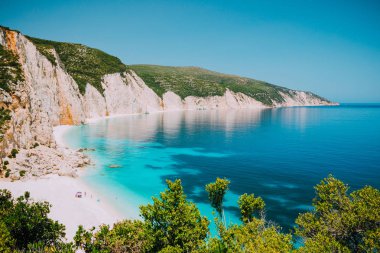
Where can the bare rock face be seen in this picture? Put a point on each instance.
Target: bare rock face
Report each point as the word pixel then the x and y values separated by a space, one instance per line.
pixel 42 160
pixel 301 98
pixel 126 93
pixel 94 103
pixel 46 98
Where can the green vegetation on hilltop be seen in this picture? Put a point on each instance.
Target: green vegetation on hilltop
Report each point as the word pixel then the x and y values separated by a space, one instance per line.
pixel 84 64
pixel 340 222
pixel 89 65
pixel 193 81
pixel 10 69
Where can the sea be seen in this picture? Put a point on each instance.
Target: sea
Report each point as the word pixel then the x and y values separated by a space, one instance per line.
pixel 278 154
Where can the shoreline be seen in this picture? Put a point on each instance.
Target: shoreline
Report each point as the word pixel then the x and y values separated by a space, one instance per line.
pixel 98 118
pixel 92 209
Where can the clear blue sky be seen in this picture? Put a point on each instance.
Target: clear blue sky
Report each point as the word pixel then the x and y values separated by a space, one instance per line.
pixel 329 47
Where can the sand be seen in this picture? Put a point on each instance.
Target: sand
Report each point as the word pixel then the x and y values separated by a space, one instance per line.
pixel 59 191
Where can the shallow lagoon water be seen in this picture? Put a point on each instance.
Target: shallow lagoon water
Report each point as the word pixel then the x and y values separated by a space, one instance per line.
pixel 278 154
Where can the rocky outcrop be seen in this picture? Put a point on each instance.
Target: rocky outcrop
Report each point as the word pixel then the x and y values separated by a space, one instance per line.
pixel 42 160
pixel 301 98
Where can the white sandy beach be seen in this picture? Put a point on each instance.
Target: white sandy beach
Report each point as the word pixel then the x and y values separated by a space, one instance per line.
pixel 59 191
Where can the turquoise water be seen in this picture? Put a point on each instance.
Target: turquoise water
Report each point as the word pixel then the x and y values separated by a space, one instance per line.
pixel 278 154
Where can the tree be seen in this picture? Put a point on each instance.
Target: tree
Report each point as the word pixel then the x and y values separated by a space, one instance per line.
pixel 341 221
pixel 125 236
pixel 216 192
pixel 254 236
pixel 6 240
pixel 27 222
pixel 173 221
pixel 249 205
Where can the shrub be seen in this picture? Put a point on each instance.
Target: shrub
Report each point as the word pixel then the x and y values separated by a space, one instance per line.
pixel 174 221
pixel 14 152
pixel 216 192
pixel 249 205
pixel 22 173
pixel 341 221
pixel 125 236
pixel 27 222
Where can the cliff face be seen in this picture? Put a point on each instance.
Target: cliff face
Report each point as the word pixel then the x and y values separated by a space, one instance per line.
pixel 48 96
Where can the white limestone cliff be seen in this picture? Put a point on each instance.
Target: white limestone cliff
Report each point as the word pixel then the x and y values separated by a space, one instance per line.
pixel 49 97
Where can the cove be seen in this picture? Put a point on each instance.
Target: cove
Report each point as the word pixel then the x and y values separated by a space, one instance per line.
pixel 279 154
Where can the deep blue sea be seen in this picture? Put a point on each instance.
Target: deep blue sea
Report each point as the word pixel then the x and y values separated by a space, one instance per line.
pixel 278 154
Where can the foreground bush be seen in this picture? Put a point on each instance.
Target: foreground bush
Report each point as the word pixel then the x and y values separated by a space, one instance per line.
pixel 23 222
pixel 125 236
pixel 340 222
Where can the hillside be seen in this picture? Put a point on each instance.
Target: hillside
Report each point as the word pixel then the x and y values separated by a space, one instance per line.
pixel 89 65
pixel 46 83
pixel 83 63
pixel 194 81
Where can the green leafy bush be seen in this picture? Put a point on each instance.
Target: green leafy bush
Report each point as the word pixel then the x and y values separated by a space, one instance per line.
pixel 27 222
pixel 341 222
pixel 125 236
pixel 14 153
pixel 249 205
pixel 216 192
pixel 174 221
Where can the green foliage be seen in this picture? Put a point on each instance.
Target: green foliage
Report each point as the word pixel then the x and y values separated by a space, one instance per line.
pixel 248 205
pixel 125 236
pixel 216 192
pixel 173 221
pixel 5 117
pixel 40 247
pixel 322 243
pixel 171 249
pixel 7 173
pixel 253 236
pixel 22 173
pixel 14 152
pixel 193 81
pixel 6 240
pixel 27 222
pixel 84 64
pixel 340 220
pixel 10 69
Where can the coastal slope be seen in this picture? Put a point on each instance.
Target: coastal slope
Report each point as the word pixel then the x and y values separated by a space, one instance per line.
pixel 44 84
